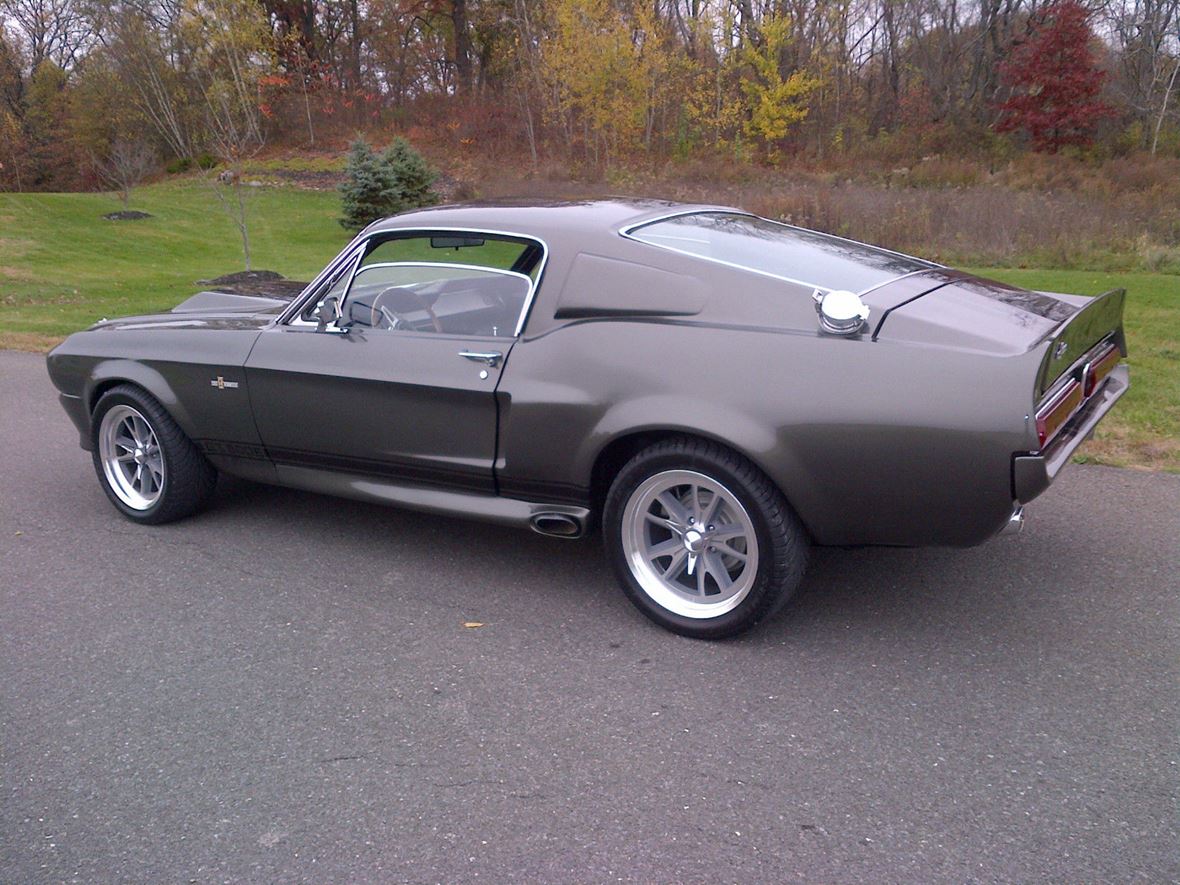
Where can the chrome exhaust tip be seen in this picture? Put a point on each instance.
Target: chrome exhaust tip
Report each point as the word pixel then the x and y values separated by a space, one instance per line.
pixel 557 525
pixel 1015 522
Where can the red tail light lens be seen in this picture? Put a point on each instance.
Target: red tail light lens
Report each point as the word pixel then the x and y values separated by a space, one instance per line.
pixel 1098 368
pixel 1052 415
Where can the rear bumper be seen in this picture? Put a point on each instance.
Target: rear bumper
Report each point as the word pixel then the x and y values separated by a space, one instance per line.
pixel 1032 473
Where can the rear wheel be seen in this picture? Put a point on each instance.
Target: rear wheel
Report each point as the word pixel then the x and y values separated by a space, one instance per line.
pixel 149 469
pixel 702 541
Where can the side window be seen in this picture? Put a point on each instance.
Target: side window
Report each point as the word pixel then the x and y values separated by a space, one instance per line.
pixel 456 283
pixel 452 299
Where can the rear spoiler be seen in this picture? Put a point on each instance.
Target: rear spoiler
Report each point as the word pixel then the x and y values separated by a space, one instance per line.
pixel 1075 339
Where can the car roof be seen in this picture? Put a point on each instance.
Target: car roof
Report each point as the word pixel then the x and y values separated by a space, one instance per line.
pixel 541 218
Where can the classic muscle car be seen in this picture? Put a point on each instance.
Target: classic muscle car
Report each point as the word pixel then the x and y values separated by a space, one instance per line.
pixel 714 390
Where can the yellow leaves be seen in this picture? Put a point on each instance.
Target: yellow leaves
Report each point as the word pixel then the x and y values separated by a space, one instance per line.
pixel 607 68
pixel 777 105
pixel 473 625
pixel 773 103
pixel 589 63
pixel 614 77
pixel 750 94
pixel 232 49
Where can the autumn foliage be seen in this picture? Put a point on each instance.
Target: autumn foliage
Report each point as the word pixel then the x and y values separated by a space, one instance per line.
pixel 1054 80
pixel 591 86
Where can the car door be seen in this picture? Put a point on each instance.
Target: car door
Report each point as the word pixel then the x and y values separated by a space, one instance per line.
pixel 401 384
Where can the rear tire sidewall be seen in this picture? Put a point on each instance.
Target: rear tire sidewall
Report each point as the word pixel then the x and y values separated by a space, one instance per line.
pixel 769 589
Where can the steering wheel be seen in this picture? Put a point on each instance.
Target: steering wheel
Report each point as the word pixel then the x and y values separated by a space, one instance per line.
pixel 396 319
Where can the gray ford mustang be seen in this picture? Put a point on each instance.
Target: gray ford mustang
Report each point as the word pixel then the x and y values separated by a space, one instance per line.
pixel 715 390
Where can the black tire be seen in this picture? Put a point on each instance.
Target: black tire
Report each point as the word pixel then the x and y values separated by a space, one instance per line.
pixel 781 544
pixel 187 478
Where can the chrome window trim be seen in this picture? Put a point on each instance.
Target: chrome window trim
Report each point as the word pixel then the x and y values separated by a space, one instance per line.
pixel 355 258
pixel 300 301
pixel 912 273
pixel 628 231
pixel 362 239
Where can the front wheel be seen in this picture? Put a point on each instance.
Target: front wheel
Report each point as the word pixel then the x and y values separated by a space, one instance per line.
pixel 149 469
pixel 702 541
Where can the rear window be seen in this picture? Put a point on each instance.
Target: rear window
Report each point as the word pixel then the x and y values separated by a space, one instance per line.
pixel 792 253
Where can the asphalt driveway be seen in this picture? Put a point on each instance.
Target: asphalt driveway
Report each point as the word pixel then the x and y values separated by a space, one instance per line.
pixel 283 689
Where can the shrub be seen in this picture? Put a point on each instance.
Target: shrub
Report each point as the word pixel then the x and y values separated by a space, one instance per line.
pixel 376 186
pixel 367 188
pixel 203 160
pixel 412 173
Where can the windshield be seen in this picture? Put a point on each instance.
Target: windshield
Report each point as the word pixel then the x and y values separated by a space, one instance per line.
pixel 792 253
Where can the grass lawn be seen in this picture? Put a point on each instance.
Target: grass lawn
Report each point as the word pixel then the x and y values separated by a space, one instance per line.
pixel 62 266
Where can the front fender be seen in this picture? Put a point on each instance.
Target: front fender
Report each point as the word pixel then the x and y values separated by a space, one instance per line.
pixel 181 367
pixel 110 372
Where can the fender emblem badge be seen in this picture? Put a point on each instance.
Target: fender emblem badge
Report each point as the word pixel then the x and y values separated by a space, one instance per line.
pixel 1062 347
pixel 221 384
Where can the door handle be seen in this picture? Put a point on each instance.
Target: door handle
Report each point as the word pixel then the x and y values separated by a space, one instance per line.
pixel 490 357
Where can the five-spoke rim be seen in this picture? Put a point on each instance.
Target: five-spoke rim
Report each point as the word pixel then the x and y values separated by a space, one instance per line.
pixel 131 458
pixel 690 544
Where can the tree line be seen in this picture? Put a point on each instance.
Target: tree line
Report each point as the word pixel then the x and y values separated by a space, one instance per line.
pixel 96 90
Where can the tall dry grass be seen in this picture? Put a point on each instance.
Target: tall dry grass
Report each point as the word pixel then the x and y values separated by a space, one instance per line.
pixel 1043 211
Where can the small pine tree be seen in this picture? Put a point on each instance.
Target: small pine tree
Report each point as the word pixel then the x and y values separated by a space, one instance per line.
pixel 412 173
pixel 366 189
pixel 379 185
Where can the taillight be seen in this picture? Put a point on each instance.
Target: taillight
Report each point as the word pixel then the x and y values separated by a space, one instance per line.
pixel 1052 415
pixel 1098 368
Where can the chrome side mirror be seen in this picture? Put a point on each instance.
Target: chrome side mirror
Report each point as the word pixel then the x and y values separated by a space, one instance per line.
pixel 327 314
pixel 840 312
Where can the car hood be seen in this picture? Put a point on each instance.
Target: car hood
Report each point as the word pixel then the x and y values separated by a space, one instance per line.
pixel 207 310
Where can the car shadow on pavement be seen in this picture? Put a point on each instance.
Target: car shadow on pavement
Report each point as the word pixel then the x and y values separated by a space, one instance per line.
pixel 921 592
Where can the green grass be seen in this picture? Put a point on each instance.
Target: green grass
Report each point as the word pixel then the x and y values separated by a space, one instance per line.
pixel 322 163
pixel 62 266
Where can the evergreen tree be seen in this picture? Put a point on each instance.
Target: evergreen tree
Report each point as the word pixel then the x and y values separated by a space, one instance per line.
pixel 377 186
pixel 367 187
pixel 413 175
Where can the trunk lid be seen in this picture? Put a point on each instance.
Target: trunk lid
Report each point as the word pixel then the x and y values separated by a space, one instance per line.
pixel 1075 342
pixel 946 308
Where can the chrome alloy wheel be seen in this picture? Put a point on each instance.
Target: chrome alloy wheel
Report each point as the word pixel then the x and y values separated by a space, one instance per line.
pixel 131 459
pixel 690 544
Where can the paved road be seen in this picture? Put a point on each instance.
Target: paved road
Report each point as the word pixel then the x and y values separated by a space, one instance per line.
pixel 283 690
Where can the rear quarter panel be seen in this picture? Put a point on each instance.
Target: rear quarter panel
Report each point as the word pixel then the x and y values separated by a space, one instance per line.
pixel 872 442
